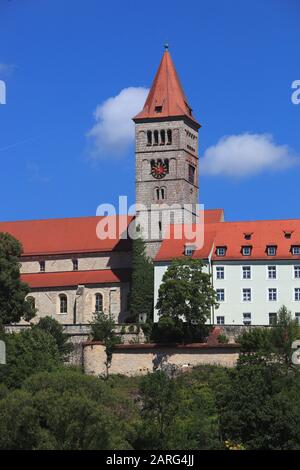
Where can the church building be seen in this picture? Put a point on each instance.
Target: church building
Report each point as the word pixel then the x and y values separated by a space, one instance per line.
pixel 255 266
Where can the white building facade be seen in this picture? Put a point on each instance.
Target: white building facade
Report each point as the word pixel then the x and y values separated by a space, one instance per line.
pixel 254 267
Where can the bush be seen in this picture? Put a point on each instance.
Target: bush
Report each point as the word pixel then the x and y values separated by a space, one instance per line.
pixel 56 330
pixel 171 330
pixel 28 352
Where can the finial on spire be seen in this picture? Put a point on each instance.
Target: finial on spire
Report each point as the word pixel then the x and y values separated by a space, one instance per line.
pixel 166 45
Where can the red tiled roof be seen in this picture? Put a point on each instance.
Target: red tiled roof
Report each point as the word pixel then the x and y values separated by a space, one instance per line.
pixel 264 233
pixel 166 92
pixel 213 215
pixel 72 235
pixel 75 278
pixel 174 248
pixel 232 236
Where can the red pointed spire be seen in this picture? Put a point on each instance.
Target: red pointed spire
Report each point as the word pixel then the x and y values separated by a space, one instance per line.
pixel 166 97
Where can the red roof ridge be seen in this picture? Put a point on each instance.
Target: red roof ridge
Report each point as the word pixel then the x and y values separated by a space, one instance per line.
pixel 53 219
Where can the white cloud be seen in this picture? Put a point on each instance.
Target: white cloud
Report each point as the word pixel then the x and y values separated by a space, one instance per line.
pixel 113 131
pixel 245 155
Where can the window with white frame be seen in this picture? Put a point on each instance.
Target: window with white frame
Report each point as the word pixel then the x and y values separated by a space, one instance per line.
pixel 296 250
pixel 272 272
pixel 189 250
pixel 221 250
pixel 220 272
pixel 221 320
pixel 247 318
pixel 297 317
pixel 272 294
pixel 246 272
pixel 246 250
pixel 272 318
pixel 297 293
pixel 220 295
pixel 247 295
pixel 297 272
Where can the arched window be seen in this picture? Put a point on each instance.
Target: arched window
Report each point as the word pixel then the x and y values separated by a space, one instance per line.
pixel 31 301
pixel 155 133
pixel 162 137
pixel 166 162
pixel 98 303
pixel 149 138
pixel 169 134
pixel 160 193
pixel 63 303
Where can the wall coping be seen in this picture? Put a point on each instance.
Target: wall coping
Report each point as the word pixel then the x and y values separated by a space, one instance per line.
pixel 144 346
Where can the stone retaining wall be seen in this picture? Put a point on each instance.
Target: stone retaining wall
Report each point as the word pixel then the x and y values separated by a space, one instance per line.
pixel 139 359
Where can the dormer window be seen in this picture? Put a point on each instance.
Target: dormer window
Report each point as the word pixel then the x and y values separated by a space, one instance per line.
pixel 158 109
pixel 221 250
pixel 288 234
pixel 248 236
pixel 189 250
pixel 246 250
pixel 296 250
pixel 271 250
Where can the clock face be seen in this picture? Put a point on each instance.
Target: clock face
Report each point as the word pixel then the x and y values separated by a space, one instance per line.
pixel 159 170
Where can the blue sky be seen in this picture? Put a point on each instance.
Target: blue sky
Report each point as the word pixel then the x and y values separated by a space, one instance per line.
pixel 62 59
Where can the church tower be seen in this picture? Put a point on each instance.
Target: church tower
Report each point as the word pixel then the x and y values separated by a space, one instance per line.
pixel 166 157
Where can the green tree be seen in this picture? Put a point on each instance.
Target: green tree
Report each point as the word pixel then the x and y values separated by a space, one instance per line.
pixel 283 334
pixel 13 292
pixel 186 293
pixel 271 344
pixel 28 352
pixel 56 330
pixel 142 282
pixel 259 408
pixel 103 329
pixel 159 406
pixel 63 410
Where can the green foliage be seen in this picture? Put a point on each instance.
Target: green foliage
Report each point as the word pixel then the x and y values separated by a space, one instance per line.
pixel 259 407
pixel 13 305
pixel 256 340
pixel 28 352
pixel 103 329
pixel 167 330
pixel 222 338
pixel 175 330
pixel 186 292
pixel 269 344
pixel 284 333
pixel 159 407
pixel 64 410
pixel 176 414
pixel 56 330
pixel 142 282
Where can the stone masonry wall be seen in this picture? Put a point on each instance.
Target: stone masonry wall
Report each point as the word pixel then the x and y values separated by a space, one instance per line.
pixel 140 359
